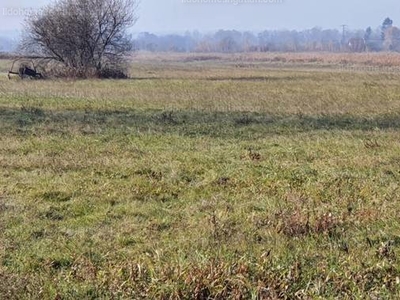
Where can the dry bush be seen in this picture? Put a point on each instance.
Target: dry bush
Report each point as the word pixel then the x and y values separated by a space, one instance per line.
pixel 113 72
pixel 55 69
pixel 82 35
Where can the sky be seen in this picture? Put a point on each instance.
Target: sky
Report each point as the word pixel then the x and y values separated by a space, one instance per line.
pixel 168 16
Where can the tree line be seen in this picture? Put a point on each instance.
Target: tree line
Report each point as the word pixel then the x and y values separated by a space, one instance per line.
pixel 383 38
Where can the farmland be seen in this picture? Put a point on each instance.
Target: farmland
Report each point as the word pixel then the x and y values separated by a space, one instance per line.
pixel 258 176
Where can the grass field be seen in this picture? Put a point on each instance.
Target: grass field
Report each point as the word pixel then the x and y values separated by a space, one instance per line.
pixel 203 178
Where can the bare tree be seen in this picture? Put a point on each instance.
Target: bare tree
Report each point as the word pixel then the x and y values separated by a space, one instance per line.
pixel 86 36
pixel 392 39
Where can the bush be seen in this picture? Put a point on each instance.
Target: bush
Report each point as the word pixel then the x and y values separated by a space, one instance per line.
pixel 84 36
pixel 113 72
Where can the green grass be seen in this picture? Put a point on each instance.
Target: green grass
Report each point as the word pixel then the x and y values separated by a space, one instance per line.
pixel 201 181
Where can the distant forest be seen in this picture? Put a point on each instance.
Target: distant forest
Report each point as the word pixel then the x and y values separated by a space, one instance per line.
pixel 385 37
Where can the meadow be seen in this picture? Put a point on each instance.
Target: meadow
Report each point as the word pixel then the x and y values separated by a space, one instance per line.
pixel 267 176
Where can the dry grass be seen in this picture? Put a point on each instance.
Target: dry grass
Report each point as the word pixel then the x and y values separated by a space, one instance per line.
pixel 4 66
pixel 386 60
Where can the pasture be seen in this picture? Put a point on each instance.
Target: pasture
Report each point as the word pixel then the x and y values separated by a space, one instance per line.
pixel 204 177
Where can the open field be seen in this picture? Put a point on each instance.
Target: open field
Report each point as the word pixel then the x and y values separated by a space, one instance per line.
pixel 203 178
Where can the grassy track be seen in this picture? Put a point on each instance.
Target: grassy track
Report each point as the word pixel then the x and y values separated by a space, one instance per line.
pixel 202 180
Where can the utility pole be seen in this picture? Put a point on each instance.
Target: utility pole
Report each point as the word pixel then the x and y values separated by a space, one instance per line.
pixel 343 34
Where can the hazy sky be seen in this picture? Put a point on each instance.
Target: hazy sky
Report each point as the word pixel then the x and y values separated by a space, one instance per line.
pixel 208 15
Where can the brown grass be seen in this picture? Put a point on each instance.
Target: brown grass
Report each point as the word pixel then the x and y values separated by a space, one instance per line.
pixel 373 59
